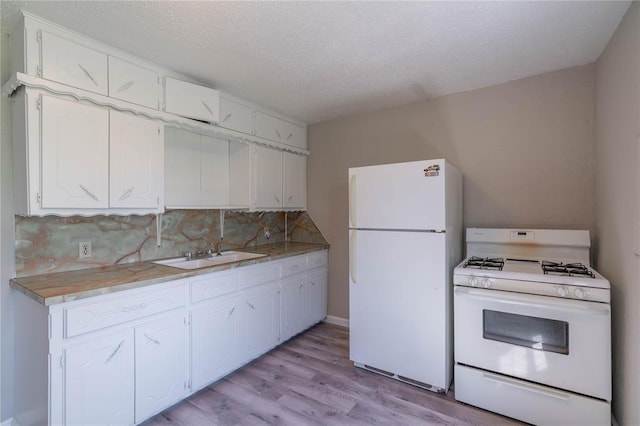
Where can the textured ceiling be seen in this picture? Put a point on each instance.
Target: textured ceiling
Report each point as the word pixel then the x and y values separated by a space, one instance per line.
pixel 320 60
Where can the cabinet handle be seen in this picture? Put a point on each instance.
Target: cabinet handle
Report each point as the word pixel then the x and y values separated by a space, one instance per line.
pixel 300 287
pixel 277 199
pixel 126 194
pixel 289 137
pixel 278 133
pixel 89 193
pixel 226 117
pixel 133 307
pixel 290 197
pixel 88 74
pixel 312 283
pixel 250 305
pixel 152 339
pixel 352 257
pixel 126 86
pixel 114 352
pixel 293 267
pixel 206 106
pixel 231 311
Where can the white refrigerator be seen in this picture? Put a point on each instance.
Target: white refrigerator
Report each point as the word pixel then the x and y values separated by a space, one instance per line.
pixel 405 238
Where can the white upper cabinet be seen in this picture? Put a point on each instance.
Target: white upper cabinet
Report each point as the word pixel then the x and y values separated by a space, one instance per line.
pixel 270 127
pixel 73 64
pixel 75 155
pixel 199 171
pixel 235 116
pixel 279 180
pixel 132 83
pixel 191 100
pixel 76 158
pixel 294 181
pixel 136 154
pixel 267 178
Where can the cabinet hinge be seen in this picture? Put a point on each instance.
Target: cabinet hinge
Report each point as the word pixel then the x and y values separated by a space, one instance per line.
pixel 39 36
pixel 158 200
pixel 62 361
pixel 158 130
pixel 38 198
pixel 39 103
pixel 39 71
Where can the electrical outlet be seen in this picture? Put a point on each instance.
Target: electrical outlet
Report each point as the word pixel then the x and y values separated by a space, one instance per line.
pixel 84 249
pixel 267 233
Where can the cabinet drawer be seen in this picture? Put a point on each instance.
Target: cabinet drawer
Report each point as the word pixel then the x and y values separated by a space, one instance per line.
pixel 81 319
pixel 213 285
pixel 293 265
pixel 70 63
pixel 132 83
pixel 191 101
pixel 235 116
pixel 278 130
pixel 318 258
pixel 258 274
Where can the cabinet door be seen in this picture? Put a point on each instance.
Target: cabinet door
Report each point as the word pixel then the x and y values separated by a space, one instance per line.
pixel 215 333
pixel 182 168
pixel 214 174
pixel 293 297
pixel 132 83
pixel 278 130
pixel 191 100
pixel 75 154
pixel 261 323
pixel 73 64
pixel 136 161
pixel 267 183
pixel 295 180
pixel 316 303
pixel 99 381
pixel 236 116
pixel 160 363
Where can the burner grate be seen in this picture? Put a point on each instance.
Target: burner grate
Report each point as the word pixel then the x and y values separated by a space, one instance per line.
pixel 484 263
pixel 568 269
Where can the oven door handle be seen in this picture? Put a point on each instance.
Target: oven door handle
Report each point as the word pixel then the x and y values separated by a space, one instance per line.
pixel 534 301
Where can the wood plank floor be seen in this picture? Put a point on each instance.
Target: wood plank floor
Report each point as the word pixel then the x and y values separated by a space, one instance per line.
pixel 309 380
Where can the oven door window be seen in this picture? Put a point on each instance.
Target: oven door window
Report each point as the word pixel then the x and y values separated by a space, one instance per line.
pixel 537 333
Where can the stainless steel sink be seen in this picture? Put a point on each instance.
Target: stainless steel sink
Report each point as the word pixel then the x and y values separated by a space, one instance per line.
pixel 225 257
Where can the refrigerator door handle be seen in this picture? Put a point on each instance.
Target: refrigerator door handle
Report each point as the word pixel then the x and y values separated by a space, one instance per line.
pixel 352 257
pixel 352 199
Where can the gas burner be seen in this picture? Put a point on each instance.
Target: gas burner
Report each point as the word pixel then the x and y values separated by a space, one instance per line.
pixel 484 263
pixel 568 269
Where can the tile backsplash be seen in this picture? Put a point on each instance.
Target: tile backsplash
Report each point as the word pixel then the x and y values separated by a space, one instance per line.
pixel 51 243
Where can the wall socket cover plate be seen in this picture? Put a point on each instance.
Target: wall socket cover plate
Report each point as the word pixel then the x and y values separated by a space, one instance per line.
pixel 84 249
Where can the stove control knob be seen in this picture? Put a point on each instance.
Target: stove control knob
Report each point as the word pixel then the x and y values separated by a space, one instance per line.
pixel 486 283
pixel 473 281
pixel 562 291
pixel 580 293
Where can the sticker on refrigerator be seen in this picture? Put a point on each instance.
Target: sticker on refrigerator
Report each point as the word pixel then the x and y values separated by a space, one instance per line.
pixel 432 171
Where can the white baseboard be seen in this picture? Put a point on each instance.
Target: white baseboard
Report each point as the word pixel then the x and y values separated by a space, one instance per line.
pixel 337 321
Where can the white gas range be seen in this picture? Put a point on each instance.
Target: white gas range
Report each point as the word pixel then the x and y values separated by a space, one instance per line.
pixel 532 327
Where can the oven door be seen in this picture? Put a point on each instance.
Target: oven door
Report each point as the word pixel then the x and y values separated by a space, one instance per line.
pixel 548 340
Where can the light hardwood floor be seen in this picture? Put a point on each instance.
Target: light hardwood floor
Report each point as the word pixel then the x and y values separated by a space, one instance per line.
pixel 309 380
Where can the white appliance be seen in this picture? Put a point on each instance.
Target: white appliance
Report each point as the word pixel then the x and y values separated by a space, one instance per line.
pixel 405 230
pixel 533 327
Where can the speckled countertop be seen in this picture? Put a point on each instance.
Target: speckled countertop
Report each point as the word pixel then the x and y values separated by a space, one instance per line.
pixel 60 287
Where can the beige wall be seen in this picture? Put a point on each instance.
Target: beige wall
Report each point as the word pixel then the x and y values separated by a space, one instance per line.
pixel 618 192
pixel 526 150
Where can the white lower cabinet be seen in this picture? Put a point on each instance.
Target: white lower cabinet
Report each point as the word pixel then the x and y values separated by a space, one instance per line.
pixel 261 323
pixel 120 358
pixel 161 371
pixel 215 338
pixel 99 381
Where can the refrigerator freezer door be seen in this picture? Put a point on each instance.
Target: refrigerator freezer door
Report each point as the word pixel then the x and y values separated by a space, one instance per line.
pixel 398 196
pixel 398 304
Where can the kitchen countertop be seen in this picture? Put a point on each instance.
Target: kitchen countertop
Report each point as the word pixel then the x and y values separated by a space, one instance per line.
pixel 60 287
